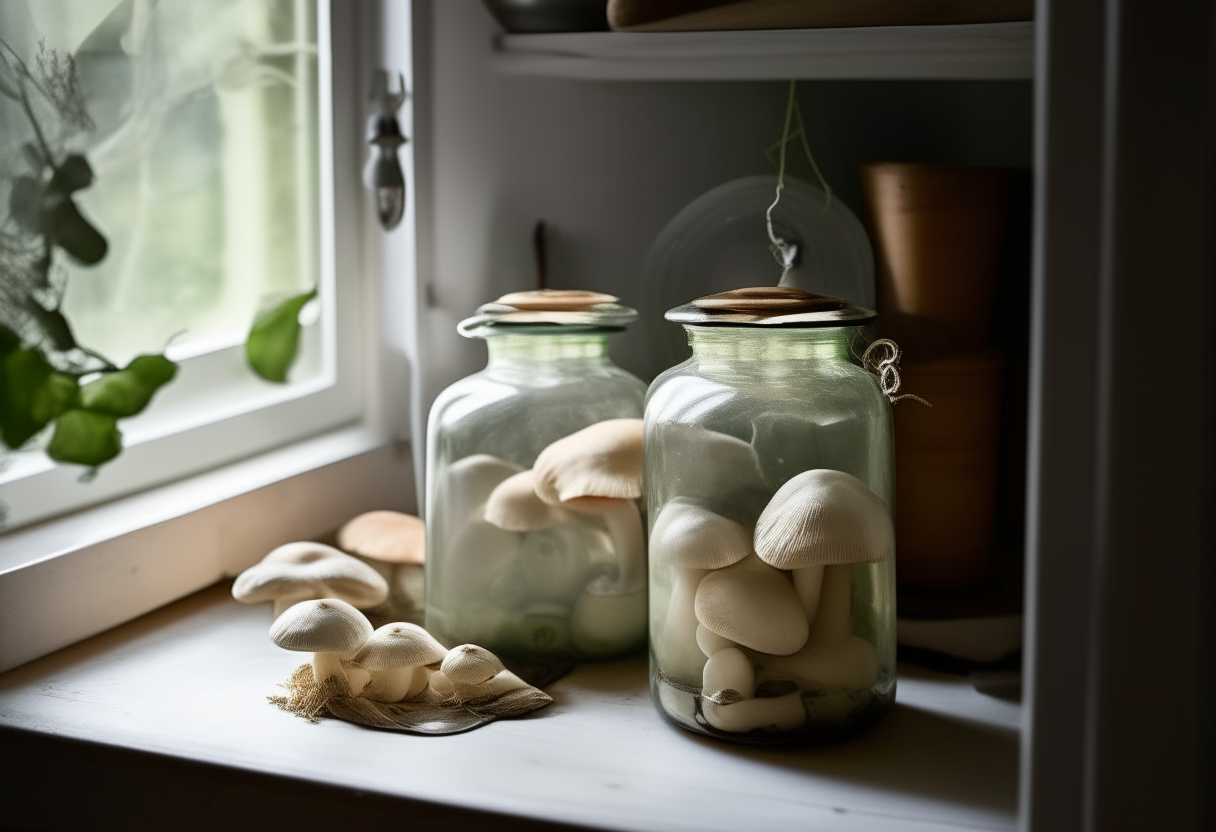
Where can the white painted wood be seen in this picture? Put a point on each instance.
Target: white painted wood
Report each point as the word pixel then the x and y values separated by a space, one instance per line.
pixel 964 51
pixel 67 580
pixel 190 681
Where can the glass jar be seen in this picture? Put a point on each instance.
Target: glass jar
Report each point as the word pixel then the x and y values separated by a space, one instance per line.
pixel 769 483
pixel 547 583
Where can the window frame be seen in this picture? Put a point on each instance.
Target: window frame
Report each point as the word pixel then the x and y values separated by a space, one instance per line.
pixel 75 575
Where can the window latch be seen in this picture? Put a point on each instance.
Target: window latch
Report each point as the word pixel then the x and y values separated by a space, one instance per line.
pixel 383 175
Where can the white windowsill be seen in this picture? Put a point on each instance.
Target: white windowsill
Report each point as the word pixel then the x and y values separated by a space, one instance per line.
pixel 72 577
pixel 190 681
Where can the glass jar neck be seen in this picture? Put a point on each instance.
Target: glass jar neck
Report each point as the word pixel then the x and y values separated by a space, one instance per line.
pixel 542 349
pixel 767 351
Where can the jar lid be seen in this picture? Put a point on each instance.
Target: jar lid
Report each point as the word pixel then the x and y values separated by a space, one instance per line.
pixel 548 311
pixel 779 306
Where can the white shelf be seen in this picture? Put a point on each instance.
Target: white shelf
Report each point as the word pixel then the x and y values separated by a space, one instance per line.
pixel 965 51
pixel 190 681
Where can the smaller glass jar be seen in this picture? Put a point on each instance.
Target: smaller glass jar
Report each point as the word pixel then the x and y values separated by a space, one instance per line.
pixel 769 486
pixel 525 578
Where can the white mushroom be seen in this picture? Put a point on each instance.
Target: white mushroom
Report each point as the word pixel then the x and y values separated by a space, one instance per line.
pixel 467 484
pixel 395 545
pixel 852 665
pixel 818 525
pixel 754 605
pixel 513 505
pixel 689 540
pixel 775 713
pixel 598 470
pixel 307 571
pixel 330 629
pixel 728 676
pixel 602 460
pixel 396 655
pixel 710 642
pixel 552 554
pixel 476 674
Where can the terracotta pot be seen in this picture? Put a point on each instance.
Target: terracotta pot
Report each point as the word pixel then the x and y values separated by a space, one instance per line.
pixel 937 235
pixel 946 470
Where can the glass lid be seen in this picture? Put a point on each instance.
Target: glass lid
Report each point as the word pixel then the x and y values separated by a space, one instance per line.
pixel 548 311
pixel 777 306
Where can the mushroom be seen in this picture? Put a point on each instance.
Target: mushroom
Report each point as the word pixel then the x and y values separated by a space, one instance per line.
pixel 331 629
pixel 818 525
pixel 774 713
pixel 690 540
pixel 754 605
pixel 395 543
pixel 729 676
pixel 476 674
pixel 552 555
pixel 852 665
pixel 514 505
pixel 714 468
pixel 598 470
pixel 396 656
pixel 466 486
pixel 307 571
pixel 602 460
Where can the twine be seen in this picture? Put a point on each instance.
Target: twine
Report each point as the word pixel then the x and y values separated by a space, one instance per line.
pixel 887 370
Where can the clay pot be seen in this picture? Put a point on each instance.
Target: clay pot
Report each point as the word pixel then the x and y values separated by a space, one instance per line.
pixel 946 471
pixel 937 235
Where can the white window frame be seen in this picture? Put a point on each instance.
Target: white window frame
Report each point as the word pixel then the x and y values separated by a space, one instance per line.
pixel 293 469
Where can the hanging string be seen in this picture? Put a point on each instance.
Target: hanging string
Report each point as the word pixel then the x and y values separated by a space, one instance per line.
pixel 887 369
pixel 786 251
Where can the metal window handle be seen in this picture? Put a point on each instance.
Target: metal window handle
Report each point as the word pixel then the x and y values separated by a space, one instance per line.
pixel 383 175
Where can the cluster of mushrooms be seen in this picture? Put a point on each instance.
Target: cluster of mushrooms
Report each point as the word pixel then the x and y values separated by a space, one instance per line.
pixel 318 592
pixel 558 549
pixel 769 607
pixel 397 662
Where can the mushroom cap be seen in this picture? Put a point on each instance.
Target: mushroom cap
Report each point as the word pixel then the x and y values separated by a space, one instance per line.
pixel 602 460
pixel 755 605
pixel 399 644
pixel 569 300
pixel 514 506
pixel 327 625
pixel 824 518
pixel 467 484
pixel 388 536
pixel 689 535
pixel 306 570
pixel 469 664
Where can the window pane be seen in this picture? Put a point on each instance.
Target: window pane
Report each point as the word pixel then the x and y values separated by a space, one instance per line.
pixel 201 132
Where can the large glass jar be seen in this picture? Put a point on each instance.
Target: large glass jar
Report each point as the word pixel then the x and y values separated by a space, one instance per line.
pixel 769 484
pixel 533 581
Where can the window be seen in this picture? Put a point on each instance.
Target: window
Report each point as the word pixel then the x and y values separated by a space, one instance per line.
pixel 224 466
pixel 209 127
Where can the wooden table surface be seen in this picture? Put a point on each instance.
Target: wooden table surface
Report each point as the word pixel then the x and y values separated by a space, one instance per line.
pixel 187 686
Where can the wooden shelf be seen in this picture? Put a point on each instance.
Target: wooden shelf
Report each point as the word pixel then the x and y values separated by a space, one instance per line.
pixel 190 682
pixel 966 51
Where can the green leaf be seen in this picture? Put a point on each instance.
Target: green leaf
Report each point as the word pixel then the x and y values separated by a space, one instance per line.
pixel 32 393
pixel 128 391
pixel 85 438
pixel 275 338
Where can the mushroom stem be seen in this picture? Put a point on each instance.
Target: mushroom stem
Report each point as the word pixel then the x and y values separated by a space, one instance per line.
pixel 325 665
pixel 396 683
pixel 625 530
pixel 676 649
pixel 832 624
pixel 780 713
pixel 729 670
pixel 808 583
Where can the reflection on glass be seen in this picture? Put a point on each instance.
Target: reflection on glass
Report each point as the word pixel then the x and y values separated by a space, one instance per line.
pixel 198 119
